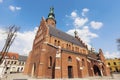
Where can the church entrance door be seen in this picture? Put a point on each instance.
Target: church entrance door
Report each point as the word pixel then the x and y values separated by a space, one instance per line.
pixel 70 72
pixel 96 70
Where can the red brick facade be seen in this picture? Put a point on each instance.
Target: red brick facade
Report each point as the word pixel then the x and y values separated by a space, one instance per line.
pixel 55 56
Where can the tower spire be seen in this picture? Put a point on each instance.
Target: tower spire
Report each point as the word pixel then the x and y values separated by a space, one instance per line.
pixel 51 17
pixel 51 13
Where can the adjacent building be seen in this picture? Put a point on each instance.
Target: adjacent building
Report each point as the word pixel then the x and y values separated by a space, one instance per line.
pixel 12 63
pixel 114 64
pixel 56 54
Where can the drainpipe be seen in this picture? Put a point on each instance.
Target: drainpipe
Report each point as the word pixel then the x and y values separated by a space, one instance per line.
pixel 61 63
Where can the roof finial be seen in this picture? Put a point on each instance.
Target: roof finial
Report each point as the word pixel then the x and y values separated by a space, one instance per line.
pixel 52 10
pixel 76 33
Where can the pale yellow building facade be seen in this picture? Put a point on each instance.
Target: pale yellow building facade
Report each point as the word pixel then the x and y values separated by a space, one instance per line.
pixel 114 64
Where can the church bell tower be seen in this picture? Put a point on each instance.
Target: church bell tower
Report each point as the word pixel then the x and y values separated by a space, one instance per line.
pixel 51 18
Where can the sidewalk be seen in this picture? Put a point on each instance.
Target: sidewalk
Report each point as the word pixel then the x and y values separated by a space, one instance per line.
pixel 20 76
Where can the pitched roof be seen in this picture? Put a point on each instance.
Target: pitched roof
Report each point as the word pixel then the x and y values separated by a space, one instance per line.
pixel 22 58
pixel 62 35
pixel 12 55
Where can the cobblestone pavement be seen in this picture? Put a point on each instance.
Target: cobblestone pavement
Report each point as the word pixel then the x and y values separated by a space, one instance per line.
pixel 20 76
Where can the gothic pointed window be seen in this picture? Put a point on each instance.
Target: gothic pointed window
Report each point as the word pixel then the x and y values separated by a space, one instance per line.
pixel 66 46
pixel 69 47
pixel 50 62
pixel 69 59
pixel 55 42
pixel 83 62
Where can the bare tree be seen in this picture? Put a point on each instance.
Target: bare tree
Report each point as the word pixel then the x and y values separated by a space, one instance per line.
pixel 12 30
pixel 118 41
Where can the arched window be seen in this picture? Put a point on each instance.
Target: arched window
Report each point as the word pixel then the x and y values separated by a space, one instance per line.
pixel 58 43
pixel 69 59
pixel 114 63
pixel 11 62
pixel 83 62
pixel 110 69
pixel 21 69
pixel 69 47
pixel 8 62
pixel 15 62
pixel 78 49
pixel 66 46
pixel 22 63
pixel 108 63
pixel 72 48
pixel 50 62
pixel 55 42
pixel 18 69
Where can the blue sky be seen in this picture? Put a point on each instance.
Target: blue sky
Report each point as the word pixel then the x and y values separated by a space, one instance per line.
pixel 104 14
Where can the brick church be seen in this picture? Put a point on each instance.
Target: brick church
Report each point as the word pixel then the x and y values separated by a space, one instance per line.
pixel 56 54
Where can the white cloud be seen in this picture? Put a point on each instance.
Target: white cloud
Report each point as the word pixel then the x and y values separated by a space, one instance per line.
pixel 81 23
pixel 73 14
pixel 78 22
pixel 18 8
pixel 1 1
pixel 112 55
pixel 96 25
pixel 84 11
pixel 14 8
pixel 23 42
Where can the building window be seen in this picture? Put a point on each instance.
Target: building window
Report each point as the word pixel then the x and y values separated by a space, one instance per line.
pixel 108 63
pixel 14 58
pixel 63 45
pixel 19 63
pixel 18 69
pixel 83 62
pixel 69 59
pixel 58 43
pixel 83 51
pixel 8 62
pixel 15 62
pixel 5 62
pixel 75 48
pixel 11 62
pixel 22 69
pixel 114 63
pixel 22 63
pixel 55 43
pixel 72 48
pixel 50 62
pixel 69 47
pixel 110 69
pixel 66 46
